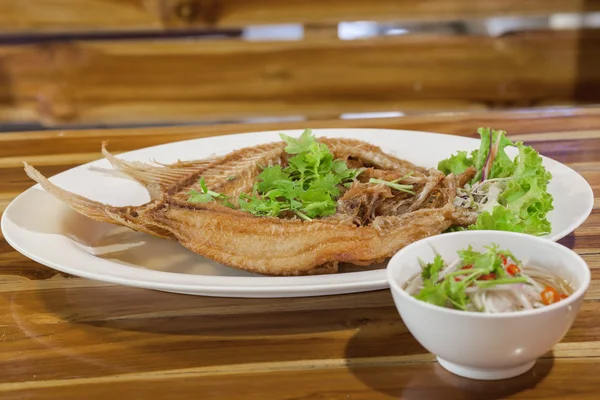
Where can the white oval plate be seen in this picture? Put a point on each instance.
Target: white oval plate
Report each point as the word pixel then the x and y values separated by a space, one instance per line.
pixel 45 230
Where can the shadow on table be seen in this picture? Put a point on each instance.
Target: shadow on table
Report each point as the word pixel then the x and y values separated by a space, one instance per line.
pixel 422 378
pixel 116 329
pixel 568 241
pixel 148 311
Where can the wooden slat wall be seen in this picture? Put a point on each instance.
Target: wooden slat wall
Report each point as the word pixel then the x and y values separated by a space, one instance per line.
pixel 69 79
pixel 165 80
pixel 100 15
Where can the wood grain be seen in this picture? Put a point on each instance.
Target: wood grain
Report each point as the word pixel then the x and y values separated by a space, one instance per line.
pixel 132 15
pixel 80 15
pixel 555 123
pixel 315 381
pixel 68 337
pixel 162 81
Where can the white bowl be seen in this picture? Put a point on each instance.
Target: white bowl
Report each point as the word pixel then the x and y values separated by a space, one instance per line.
pixel 482 345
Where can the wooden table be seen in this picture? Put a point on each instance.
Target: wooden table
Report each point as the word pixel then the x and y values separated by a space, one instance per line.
pixel 70 338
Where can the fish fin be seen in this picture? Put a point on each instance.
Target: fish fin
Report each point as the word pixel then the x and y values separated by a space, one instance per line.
pixel 154 178
pixel 196 164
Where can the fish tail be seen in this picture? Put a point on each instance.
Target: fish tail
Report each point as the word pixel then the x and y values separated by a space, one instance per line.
pixel 89 208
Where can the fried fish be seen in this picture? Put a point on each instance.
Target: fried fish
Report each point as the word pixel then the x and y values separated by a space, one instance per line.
pixel 371 221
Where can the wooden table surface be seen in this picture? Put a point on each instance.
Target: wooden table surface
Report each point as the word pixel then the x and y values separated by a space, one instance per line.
pixel 71 338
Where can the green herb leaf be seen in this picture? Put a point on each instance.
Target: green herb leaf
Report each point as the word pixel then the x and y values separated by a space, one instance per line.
pixel 456 293
pixel 207 195
pixel 298 165
pixel 317 202
pixel 300 145
pixel 451 290
pixel 203 185
pixel 328 183
pixel 484 263
pixel 197 197
pixel 433 294
pixel 432 270
pixel 269 178
pixel 397 186
pixel 502 281
pixel 456 164
pixel 308 186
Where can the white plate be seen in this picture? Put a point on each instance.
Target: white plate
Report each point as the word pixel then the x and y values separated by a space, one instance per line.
pixel 42 228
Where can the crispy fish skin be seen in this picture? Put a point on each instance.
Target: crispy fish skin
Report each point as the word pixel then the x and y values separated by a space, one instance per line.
pixel 279 246
pixel 275 246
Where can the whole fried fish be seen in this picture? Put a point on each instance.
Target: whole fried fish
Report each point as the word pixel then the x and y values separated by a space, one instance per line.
pixel 371 224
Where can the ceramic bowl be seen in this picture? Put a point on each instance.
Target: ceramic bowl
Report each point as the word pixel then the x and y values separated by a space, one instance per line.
pixel 486 345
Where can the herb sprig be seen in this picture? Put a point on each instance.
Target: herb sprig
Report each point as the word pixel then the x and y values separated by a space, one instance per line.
pixel 309 186
pixel 482 269
pixel 207 195
pixel 394 184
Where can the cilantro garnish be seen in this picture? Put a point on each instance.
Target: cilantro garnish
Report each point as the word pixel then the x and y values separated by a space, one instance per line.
pixel 482 269
pixel 207 195
pixel 203 197
pixel 308 186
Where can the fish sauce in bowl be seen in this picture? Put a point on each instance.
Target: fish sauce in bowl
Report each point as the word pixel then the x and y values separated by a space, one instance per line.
pixel 493 281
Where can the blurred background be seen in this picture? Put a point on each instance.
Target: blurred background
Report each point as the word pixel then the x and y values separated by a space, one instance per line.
pixel 67 64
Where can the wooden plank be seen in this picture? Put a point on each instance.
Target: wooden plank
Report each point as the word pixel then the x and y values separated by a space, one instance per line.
pixel 162 81
pixel 130 15
pixel 546 123
pixel 233 12
pixel 27 16
pixel 363 380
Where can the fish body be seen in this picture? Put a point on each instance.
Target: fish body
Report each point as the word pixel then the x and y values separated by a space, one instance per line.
pixel 371 224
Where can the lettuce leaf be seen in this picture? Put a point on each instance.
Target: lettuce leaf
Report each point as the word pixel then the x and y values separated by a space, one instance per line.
pixel 502 166
pixel 525 202
pixel 501 219
pixel 456 164
pixel 526 195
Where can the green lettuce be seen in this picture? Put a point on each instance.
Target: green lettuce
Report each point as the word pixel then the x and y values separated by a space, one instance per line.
pixel 525 202
pixel 457 164
pixel 502 166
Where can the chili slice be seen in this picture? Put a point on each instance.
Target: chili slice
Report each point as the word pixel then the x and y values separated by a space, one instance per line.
pixel 489 277
pixel 512 269
pixel 550 296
